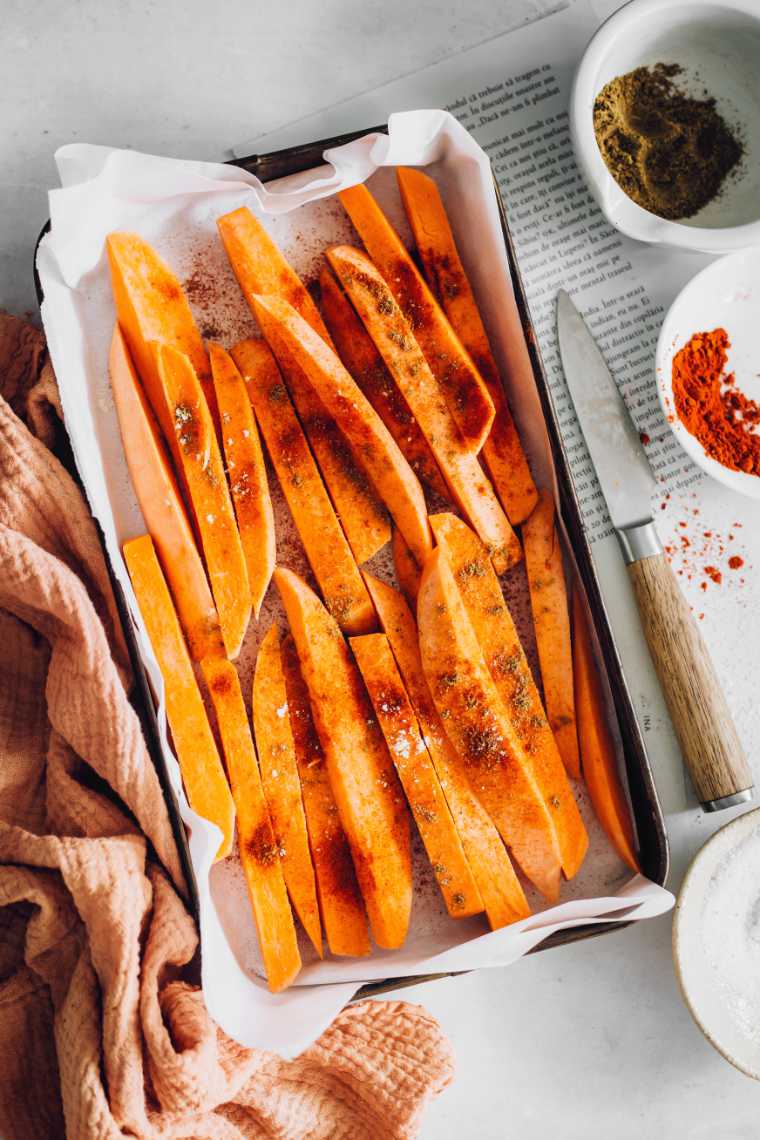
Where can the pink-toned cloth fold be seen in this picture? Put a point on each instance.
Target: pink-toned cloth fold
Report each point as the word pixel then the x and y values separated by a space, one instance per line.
pixel 103 1029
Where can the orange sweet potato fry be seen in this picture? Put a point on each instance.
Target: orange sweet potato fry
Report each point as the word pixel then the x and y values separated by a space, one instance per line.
pixel 261 268
pixel 551 618
pixel 417 774
pixel 509 668
pixel 480 729
pixel 356 349
pixel 206 482
pixel 499 886
pixel 372 444
pixel 201 767
pixel 325 544
pixel 408 572
pixel 598 757
pixel 151 310
pixel 396 343
pixel 502 451
pixel 366 789
pixel 465 392
pixel 247 473
pixel 282 785
pixel 340 899
pixel 256 840
pixel 161 506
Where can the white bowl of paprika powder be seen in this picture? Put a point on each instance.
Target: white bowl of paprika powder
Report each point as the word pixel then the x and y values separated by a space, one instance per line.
pixel 708 370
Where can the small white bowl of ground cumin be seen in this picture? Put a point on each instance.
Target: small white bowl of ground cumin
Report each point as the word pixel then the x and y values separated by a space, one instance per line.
pixel 665 120
pixel 708 370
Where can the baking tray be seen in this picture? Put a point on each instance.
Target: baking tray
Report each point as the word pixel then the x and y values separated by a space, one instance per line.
pixel 650 825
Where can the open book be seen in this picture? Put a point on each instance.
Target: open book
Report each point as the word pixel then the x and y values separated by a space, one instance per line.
pixel 512 93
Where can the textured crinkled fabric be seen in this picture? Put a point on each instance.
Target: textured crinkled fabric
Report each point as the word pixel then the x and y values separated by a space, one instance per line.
pixel 103 1028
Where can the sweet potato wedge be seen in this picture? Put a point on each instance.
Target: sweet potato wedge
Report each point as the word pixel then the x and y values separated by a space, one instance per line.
pixel 598 756
pixel 551 618
pixel 325 544
pixel 282 785
pixel 201 767
pixel 408 571
pixel 207 485
pixel 466 394
pixel 480 729
pixel 152 309
pixel 340 900
pixel 161 506
pixel 246 471
pixel 417 774
pixel 366 789
pixel 442 265
pixel 499 886
pixel 261 268
pixel 509 668
pixel 373 446
pixel 256 840
pixel 356 349
pixel 395 341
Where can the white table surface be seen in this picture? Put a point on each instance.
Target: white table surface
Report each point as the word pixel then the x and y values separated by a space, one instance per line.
pixel 588 1041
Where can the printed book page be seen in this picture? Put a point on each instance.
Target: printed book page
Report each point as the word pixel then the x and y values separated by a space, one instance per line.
pixel 512 93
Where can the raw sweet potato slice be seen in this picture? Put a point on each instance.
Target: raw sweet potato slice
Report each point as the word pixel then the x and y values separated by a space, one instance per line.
pixel 499 886
pixel 161 506
pixel 152 309
pixel 247 473
pixel 395 341
pixel 480 729
pixel 201 767
pixel 417 774
pixel 340 900
pixel 509 668
pixel 256 840
pixel 366 789
pixel 408 571
pixel 465 392
pixel 442 265
pixel 206 482
pixel 356 349
pixel 282 786
pixel 598 756
pixel 261 268
pixel 551 618
pixel 373 446
pixel 325 544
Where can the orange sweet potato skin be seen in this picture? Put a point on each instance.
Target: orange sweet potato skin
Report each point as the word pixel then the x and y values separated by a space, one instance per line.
pixel 366 789
pixel 326 547
pixel 502 450
pixel 156 490
pixel 201 767
pixel 509 668
pixel 478 726
pixel 503 897
pixel 551 617
pixel 466 394
pixel 598 756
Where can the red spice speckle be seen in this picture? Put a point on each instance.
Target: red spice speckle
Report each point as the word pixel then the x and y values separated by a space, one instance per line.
pixel 645 439
pixel 735 562
pixel 714 574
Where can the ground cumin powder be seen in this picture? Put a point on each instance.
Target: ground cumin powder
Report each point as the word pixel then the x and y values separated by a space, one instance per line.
pixel 668 151
pixel 709 404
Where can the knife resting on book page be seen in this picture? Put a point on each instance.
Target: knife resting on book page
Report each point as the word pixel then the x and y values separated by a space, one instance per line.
pixel 695 700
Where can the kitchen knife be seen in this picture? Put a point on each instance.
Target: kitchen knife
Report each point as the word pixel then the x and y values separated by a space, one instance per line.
pixel 700 715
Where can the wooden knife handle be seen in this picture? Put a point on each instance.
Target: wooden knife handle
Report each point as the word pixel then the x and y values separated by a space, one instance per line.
pixel 694 697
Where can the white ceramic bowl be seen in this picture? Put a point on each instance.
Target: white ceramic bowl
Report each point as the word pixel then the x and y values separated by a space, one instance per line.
pixel 726 294
pixel 718 45
pixel 716 941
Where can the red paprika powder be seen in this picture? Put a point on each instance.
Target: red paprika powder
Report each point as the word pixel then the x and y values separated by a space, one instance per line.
pixel 711 407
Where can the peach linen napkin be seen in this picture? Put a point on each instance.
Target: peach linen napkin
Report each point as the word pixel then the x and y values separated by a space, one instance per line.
pixel 103 1029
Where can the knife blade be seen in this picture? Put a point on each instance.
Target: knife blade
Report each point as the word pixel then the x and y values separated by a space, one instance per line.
pixel 701 718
